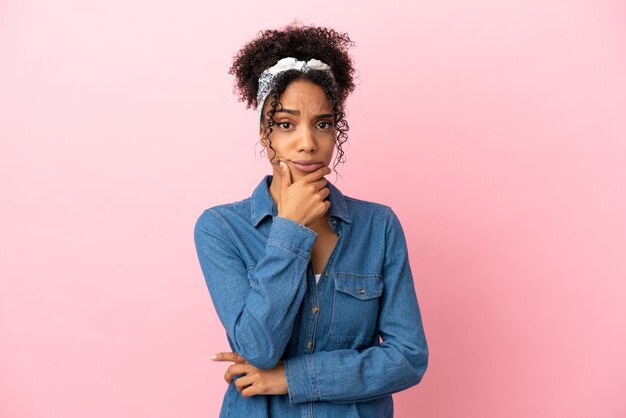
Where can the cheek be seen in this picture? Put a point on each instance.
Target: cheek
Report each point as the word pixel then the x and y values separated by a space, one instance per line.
pixel 330 141
pixel 276 151
pixel 281 140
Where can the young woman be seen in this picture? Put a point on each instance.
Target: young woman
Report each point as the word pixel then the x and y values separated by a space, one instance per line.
pixel 306 280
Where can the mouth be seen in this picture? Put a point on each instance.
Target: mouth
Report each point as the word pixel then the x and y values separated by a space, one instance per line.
pixel 306 166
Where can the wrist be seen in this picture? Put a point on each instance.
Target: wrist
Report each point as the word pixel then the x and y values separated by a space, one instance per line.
pixel 290 217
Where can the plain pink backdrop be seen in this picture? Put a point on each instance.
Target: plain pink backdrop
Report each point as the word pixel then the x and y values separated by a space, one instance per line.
pixel 496 130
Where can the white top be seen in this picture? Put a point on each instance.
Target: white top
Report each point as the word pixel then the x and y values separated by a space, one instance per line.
pixel 317 277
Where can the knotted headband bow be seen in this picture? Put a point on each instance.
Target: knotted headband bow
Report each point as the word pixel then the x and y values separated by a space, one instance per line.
pixel 266 79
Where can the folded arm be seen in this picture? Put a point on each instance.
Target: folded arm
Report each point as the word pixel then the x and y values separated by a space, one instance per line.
pixel 257 307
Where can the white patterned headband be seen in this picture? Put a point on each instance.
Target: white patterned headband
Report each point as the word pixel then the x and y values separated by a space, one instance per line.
pixel 266 79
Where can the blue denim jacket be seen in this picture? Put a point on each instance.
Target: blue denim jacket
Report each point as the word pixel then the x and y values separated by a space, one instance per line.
pixel 259 273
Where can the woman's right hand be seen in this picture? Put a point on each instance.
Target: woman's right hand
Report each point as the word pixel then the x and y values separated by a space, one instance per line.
pixel 303 200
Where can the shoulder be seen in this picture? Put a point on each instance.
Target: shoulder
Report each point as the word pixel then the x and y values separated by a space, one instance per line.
pixel 361 204
pixel 222 215
pixel 369 208
pixel 377 214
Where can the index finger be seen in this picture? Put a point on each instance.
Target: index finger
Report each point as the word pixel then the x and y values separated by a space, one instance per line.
pixel 316 175
pixel 229 356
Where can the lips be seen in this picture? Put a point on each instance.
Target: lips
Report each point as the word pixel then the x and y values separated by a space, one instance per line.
pixel 306 162
pixel 306 166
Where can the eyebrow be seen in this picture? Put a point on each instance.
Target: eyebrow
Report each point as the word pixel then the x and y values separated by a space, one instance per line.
pixel 290 111
pixel 297 113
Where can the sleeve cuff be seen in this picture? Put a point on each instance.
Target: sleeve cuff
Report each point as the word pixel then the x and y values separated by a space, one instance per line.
pixel 292 235
pixel 301 382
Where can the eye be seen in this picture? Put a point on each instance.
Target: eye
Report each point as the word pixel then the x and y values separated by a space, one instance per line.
pixel 284 125
pixel 324 125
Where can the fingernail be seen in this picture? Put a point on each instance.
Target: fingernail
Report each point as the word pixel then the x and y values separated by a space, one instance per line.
pixel 214 357
pixel 282 164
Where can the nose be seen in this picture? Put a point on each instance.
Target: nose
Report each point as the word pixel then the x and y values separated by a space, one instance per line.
pixel 306 140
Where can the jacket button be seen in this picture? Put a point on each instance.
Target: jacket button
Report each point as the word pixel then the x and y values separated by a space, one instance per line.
pixel 326 274
pixel 309 345
pixel 362 291
pixel 333 221
pixel 315 309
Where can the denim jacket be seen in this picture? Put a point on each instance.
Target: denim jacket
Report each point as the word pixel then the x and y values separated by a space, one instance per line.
pixel 258 270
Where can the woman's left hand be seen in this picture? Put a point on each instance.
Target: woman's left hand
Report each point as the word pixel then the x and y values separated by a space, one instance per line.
pixel 256 381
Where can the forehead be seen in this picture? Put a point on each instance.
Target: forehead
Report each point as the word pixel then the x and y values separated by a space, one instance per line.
pixel 305 96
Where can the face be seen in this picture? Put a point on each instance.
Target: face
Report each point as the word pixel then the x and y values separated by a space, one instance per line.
pixel 304 130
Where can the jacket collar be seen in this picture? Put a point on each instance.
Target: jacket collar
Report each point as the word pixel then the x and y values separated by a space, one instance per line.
pixel 263 205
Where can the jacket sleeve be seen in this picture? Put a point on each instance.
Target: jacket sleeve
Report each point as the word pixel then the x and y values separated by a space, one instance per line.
pixel 257 306
pixel 348 375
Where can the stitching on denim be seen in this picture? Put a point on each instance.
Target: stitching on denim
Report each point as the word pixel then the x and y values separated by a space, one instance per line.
pixel 288 378
pixel 253 211
pixel 311 367
pixel 357 275
pixel 333 313
pixel 343 209
pixel 366 202
pixel 229 241
pixel 291 249
pixel 220 220
pixel 304 228
pixel 385 226
pixel 365 296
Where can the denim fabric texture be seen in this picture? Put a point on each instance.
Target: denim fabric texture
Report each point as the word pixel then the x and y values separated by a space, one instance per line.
pixel 348 342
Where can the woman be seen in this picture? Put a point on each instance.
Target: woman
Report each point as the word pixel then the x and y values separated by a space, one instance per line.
pixel 306 280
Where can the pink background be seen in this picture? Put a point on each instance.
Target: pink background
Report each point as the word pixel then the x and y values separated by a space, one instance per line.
pixel 496 130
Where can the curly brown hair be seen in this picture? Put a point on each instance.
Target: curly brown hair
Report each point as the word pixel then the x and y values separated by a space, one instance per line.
pixel 303 43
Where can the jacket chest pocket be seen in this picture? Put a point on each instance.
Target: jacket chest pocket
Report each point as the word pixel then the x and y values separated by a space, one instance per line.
pixel 354 314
